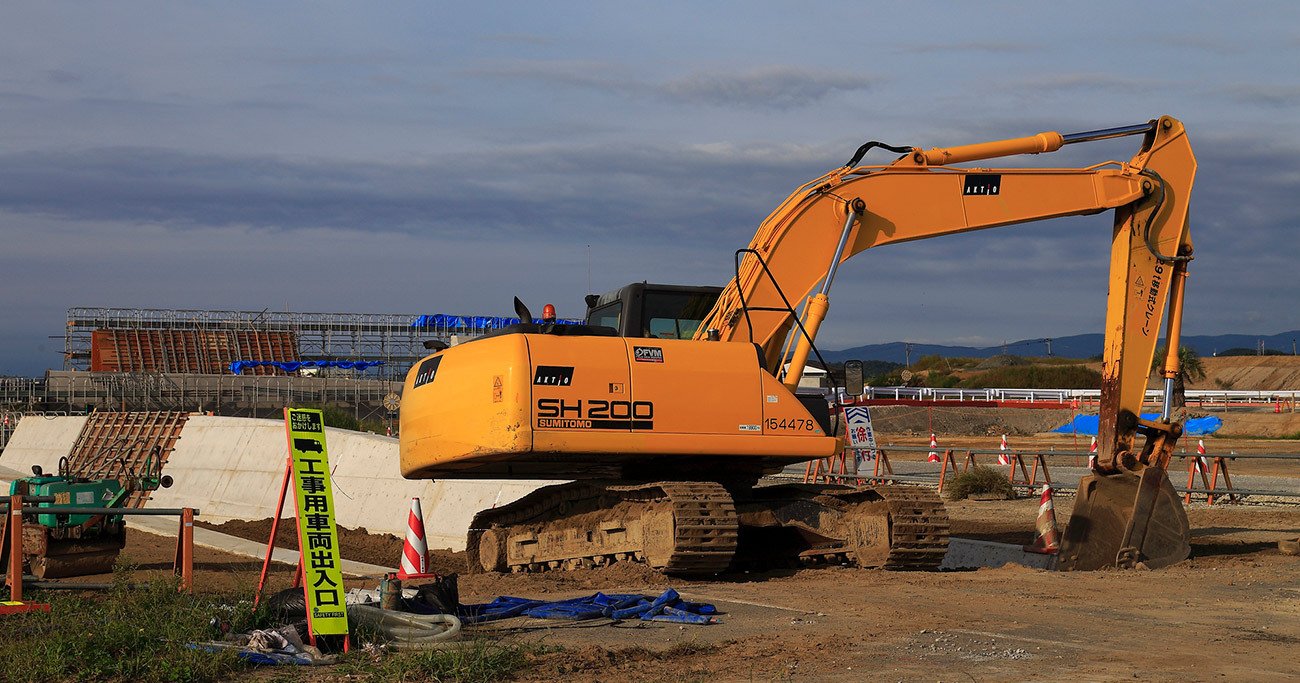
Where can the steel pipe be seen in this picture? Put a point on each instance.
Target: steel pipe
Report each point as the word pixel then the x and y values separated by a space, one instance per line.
pixel 157 512
pixel 911 479
pixel 1108 133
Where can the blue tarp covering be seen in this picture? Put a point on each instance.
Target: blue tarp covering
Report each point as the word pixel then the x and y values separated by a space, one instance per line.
pixel 669 606
pixel 1087 425
pixel 239 366
pixel 476 322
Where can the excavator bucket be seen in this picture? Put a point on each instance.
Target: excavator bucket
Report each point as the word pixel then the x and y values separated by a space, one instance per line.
pixel 1124 520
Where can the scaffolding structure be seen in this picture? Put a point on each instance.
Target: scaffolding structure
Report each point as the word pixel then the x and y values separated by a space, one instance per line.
pixel 176 340
pixel 75 392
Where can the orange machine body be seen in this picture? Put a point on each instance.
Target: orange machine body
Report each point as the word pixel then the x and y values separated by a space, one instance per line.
pixel 581 407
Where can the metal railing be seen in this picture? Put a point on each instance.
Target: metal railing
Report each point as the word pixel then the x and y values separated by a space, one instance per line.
pixel 1213 492
pixel 1198 396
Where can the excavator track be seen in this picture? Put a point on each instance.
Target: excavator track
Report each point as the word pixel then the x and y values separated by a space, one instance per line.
pixel 919 527
pixel 676 527
pixel 696 528
pixel 888 527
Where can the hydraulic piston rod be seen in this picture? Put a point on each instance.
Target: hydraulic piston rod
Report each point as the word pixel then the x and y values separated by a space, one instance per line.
pixel 1047 141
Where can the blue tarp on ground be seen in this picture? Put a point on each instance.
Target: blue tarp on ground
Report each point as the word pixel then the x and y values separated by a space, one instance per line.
pixel 669 606
pixel 239 366
pixel 476 322
pixel 1087 425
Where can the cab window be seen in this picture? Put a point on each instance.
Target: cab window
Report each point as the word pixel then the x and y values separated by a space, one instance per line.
pixel 607 315
pixel 674 315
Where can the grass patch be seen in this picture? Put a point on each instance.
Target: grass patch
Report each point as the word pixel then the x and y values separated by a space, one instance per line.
pixel 127 634
pixel 980 480
pixel 473 661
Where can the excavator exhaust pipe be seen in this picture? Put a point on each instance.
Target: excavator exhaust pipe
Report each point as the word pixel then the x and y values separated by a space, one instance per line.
pixel 1125 521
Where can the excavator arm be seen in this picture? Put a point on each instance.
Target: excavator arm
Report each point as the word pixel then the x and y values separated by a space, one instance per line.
pixel 1127 513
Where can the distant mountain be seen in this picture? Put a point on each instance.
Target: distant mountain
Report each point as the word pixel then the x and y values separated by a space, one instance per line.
pixel 1076 346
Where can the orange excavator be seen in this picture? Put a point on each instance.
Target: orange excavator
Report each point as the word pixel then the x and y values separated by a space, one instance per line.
pixel 671 403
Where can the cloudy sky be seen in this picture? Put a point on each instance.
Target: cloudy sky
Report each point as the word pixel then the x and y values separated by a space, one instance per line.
pixel 424 157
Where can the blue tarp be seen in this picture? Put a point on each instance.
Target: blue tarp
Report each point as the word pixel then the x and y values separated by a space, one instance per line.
pixel 476 322
pixel 669 606
pixel 239 366
pixel 1087 425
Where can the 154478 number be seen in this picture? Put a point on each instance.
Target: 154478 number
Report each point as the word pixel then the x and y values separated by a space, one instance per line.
pixel 795 424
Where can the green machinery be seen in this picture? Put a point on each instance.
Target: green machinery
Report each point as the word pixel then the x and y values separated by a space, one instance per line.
pixel 58 545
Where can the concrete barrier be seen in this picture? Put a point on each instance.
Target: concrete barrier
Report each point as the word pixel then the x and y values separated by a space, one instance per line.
pixel 230 468
pixel 39 440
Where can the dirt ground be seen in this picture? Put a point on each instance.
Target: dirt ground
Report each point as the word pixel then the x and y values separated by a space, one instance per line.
pixel 1232 612
pixel 1257 373
pixel 904 421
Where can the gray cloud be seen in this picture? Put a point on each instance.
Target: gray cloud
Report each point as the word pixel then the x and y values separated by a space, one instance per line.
pixel 771 87
pixel 1201 43
pixel 989 47
pixel 1078 82
pixel 565 191
pixel 776 87
pixel 1269 95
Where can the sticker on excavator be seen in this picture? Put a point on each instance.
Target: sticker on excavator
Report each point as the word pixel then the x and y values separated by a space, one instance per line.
pixel 317 535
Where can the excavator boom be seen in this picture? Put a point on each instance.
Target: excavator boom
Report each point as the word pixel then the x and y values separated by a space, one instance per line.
pixel 1126 512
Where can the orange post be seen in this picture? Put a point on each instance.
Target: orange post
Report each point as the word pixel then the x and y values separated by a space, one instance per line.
pixel 184 564
pixel 1018 461
pixel 970 461
pixel 1220 465
pixel 943 469
pixel 275 527
pixel 1196 467
pixel 1040 460
pixel 881 458
pixel 16 548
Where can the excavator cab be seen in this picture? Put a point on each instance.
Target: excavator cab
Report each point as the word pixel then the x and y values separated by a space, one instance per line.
pixel 653 311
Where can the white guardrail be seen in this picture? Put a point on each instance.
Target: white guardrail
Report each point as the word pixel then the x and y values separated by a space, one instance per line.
pixel 1068 395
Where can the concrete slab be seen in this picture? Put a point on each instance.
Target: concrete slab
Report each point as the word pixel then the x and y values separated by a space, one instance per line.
pixel 231 468
pixel 967 553
pixel 39 440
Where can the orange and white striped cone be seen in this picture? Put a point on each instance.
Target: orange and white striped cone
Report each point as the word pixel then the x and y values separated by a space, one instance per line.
pixel 1200 451
pixel 934 449
pixel 1004 452
pixel 1048 536
pixel 415 551
pixel 1092 454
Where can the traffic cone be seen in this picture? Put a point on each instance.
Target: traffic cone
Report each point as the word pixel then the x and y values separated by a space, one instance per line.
pixel 934 449
pixel 1048 536
pixel 415 552
pixel 1200 450
pixel 1004 455
pixel 1092 454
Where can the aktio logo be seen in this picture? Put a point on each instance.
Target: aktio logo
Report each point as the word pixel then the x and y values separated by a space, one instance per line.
pixel 648 354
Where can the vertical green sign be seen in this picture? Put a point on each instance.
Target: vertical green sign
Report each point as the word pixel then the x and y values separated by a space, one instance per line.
pixel 318 538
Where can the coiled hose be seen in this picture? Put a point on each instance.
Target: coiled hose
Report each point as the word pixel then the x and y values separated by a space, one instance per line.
pixel 408 631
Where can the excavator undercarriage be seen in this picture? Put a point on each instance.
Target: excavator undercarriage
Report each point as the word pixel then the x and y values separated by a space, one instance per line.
pixel 703 528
